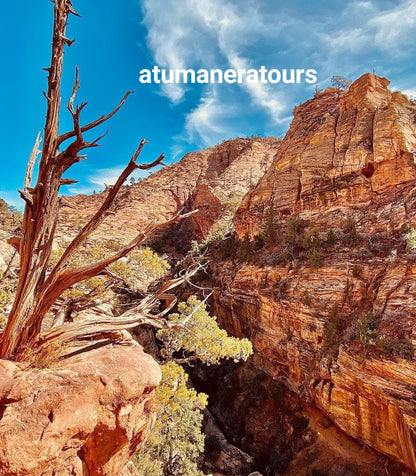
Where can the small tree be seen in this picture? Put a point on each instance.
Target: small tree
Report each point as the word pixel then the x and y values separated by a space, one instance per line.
pixel 177 439
pixel 340 82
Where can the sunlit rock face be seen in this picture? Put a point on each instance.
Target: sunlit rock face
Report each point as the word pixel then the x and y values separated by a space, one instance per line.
pixel 85 415
pixel 348 155
pixel 343 148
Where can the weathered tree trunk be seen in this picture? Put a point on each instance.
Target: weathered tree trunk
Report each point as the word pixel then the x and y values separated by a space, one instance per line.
pixel 41 209
pixel 37 291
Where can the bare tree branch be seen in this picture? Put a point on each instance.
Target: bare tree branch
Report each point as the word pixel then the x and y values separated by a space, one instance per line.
pixel 92 125
pixel 31 163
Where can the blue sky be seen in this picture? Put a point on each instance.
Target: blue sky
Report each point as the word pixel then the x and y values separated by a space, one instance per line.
pixel 115 39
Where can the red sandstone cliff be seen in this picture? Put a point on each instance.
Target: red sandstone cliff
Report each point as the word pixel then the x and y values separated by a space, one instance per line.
pixel 349 157
pixel 84 415
pixel 213 180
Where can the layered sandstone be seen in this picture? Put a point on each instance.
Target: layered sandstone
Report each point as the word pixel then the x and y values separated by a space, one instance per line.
pixel 342 148
pixel 213 180
pixel 348 157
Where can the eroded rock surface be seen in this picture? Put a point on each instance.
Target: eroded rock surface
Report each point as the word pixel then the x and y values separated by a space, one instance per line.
pixel 349 157
pixel 85 415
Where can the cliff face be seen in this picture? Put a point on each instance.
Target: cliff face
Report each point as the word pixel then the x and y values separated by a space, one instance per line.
pixel 342 149
pixel 213 180
pixel 346 164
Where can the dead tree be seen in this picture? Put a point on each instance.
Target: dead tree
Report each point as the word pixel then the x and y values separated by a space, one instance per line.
pixel 37 289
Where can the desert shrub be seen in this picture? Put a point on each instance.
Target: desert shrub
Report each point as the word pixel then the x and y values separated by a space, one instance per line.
pixel 6 298
pixel 311 239
pixel 198 335
pixel 410 238
pixel 280 288
pixel 340 82
pixel 365 328
pixel 176 441
pixel 357 271
pixel 402 348
pixel 366 331
pixel 316 259
pixel 331 238
pixel 350 234
pixel 293 227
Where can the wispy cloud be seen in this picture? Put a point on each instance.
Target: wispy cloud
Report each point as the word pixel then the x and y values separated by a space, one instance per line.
pixel 211 34
pixel 346 38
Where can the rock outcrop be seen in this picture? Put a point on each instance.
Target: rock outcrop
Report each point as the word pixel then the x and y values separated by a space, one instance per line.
pixel 343 148
pixel 346 164
pixel 85 415
pixel 213 180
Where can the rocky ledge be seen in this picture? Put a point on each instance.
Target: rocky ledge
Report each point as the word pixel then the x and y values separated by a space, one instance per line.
pixel 85 415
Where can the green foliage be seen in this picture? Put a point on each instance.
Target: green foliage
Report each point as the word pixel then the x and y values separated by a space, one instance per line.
pixel 311 239
pixel 6 297
pixel 316 260
pixel 223 232
pixel 410 238
pixel 197 333
pixel 331 237
pixel 176 440
pixel 385 347
pixel 138 270
pixel 294 227
pixel 365 328
pixel 350 236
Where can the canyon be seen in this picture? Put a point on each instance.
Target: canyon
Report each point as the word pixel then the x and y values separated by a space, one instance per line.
pixel 338 195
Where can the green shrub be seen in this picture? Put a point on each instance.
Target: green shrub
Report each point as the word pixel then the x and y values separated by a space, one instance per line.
pixel 294 227
pixel 316 260
pixel 311 239
pixel 350 236
pixel 357 271
pixel 331 238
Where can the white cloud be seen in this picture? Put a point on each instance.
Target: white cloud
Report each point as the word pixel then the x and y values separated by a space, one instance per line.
pixel 210 34
pixel 210 122
pixel 394 28
pixel 410 93
pixel 106 176
pixel 347 38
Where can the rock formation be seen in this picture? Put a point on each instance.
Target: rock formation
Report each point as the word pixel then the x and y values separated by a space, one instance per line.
pixel 213 180
pixel 347 163
pixel 79 416
pixel 348 158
